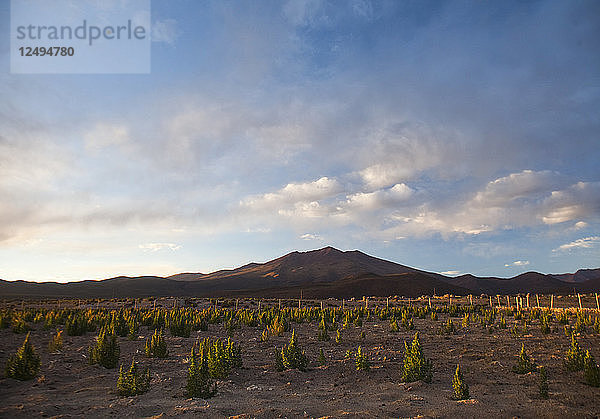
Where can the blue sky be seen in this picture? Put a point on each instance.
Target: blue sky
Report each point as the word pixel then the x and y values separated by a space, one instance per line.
pixel 450 136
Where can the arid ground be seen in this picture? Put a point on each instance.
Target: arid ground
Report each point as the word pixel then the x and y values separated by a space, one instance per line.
pixel 67 386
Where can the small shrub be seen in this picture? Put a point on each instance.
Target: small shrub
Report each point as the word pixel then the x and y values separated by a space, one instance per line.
pixel 322 359
pixel 291 356
pixel 543 383
pixel 591 372
pixel 24 364
pixel 575 356
pixel 76 325
pixel 524 364
pixel 460 389
pixel 323 336
pixel 106 350
pixel 132 382
pixel 338 336
pixel 198 377
pixel 394 326
pixel 448 328
pixel 415 366
pixel 362 360
pixel 156 346
pixel 56 342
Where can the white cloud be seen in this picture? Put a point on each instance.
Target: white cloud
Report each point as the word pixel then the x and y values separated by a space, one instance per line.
pixel 105 135
pixel 450 273
pixel 302 197
pixel 309 236
pixel 583 243
pixel 526 184
pixel 165 31
pixel 154 247
pixel 517 263
pixel 575 202
pixel 379 199
pixel 580 224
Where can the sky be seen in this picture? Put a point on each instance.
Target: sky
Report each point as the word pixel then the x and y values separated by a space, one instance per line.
pixel 451 136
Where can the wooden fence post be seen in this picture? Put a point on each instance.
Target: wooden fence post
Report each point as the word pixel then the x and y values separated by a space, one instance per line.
pixel 579 298
pixel 527 300
pixel 552 302
pixel 538 300
pixel 597 303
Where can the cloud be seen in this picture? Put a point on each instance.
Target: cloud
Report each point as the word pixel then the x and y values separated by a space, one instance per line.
pixel 302 196
pixel 526 185
pixel 578 201
pixel 450 273
pixel 154 247
pixel 379 199
pixel 104 135
pixel 583 243
pixel 165 31
pixel 309 236
pixel 517 263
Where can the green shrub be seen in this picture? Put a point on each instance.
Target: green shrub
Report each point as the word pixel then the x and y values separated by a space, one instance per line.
pixel 76 325
pixel 198 377
pixel 56 342
pixel 291 356
pixel 460 389
pixel 24 364
pixel 338 336
pixel 105 351
pixel 118 324
pixel 132 382
pixel 394 326
pixel 323 336
pixel 156 346
pixel 524 364
pixel 591 372
pixel 415 366
pixel 543 383
pixel 448 328
pixel 575 356
pixel 19 325
pixel 362 360
pixel 179 326
pixel 322 359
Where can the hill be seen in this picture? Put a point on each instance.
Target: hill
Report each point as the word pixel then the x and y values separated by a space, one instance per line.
pixel 321 273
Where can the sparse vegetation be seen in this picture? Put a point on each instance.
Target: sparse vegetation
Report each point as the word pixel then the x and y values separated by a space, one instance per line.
pixel 132 382
pixel 25 363
pixel 460 389
pixel 105 351
pixel 415 366
pixel 156 346
pixel 362 360
pixel 575 356
pixel 291 356
pixel 524 363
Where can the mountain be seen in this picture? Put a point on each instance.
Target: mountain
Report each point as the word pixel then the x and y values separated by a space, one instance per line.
pixel 321 273
pixel 296 268
pixel 533 282
pixel 581 275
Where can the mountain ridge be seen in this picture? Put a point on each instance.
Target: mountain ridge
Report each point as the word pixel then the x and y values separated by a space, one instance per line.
pixel 320 273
